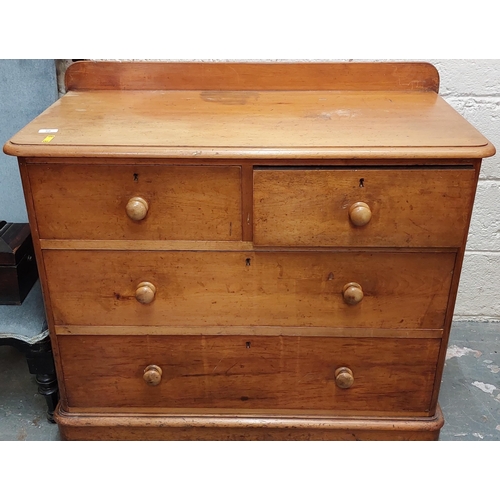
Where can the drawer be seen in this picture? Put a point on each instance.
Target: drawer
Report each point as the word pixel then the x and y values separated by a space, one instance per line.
pixel 106 202
pixel 300 373
pixel 394 207
pixel 302 289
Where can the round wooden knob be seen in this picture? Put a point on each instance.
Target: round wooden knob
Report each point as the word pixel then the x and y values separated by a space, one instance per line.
pixel 137 208
pixel 145 292
pixel 152 375
pixel 353 293
pixel 344 377
pixel 360 214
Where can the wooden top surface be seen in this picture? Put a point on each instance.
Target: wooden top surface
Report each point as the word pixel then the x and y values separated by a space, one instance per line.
pixel 273 124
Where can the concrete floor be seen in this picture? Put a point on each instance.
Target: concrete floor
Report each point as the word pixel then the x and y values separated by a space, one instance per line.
pixel 469 397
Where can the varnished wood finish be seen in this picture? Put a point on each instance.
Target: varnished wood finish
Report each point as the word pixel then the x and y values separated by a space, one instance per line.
pixel 247 201
pixel 250 251
pixel 15 242
pixel 88 75
pixel 242 289
pixel 251 124
pixel 409 208
pixel 250 372
pixel 184 203
pixel 18 269
pixel 453 298
pixel 290 331
pixel 239 428
pixel 23 170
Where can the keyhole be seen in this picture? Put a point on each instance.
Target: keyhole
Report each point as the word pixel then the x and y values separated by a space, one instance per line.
pixel 361 183
pixel 247 345
pixel 247 262
pixel 136 177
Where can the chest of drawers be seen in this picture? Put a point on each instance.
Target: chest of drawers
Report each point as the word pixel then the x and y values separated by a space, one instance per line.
pixel 250 251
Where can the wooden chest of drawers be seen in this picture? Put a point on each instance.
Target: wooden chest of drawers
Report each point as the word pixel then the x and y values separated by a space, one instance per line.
pixel 250 251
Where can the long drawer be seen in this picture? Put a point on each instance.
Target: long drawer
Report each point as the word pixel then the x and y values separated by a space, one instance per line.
pixel 301 289
pixel 141 202
pixel 362 207
pixel 310 373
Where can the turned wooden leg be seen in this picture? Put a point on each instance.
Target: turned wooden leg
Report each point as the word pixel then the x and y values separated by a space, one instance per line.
pixel 41 363
pixel 47 387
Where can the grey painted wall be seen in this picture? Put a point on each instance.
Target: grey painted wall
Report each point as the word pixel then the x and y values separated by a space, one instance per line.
pixel 27 87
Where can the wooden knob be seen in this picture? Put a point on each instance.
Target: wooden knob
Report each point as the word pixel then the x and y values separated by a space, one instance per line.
pixel 145 292
pixel 353 293
pixel 344 377
pixel 137 208
pixel 152 375
pixel 360 214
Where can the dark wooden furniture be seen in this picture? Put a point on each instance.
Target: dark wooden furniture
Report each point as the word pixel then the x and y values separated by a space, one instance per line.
pixel 250 251
pixel 25 328
pixel 18 270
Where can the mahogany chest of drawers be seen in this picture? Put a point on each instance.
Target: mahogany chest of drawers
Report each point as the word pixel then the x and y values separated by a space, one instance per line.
pixel 250 251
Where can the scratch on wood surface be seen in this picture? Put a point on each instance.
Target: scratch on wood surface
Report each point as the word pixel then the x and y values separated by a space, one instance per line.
pixel 419 226
pixel 229 97
pixel 231 367
pixel 218 363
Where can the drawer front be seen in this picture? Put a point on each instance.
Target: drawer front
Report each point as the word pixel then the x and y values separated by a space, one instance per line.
pixel 399 208
pixel 396 290
pixel 98 202
pixel 301 373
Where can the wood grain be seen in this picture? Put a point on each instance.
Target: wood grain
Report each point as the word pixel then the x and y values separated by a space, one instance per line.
pixel 249 289
pixel 150 245
pixel 250 372
pixel 252 119
pixel 23 170
pixel 184 203
pixel 264 124
pixel 238 428
pixel 89 75
pixel 453 297
pixel 249 339
pixel 410 208
pixel 273 331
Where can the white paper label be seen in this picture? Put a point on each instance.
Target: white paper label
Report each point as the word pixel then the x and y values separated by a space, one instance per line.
pixel 48 130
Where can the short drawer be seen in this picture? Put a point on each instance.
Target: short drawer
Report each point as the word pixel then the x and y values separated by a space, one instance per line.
pixel 302 289
pixel 237 372
pixel 362 207
pixel 155 202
